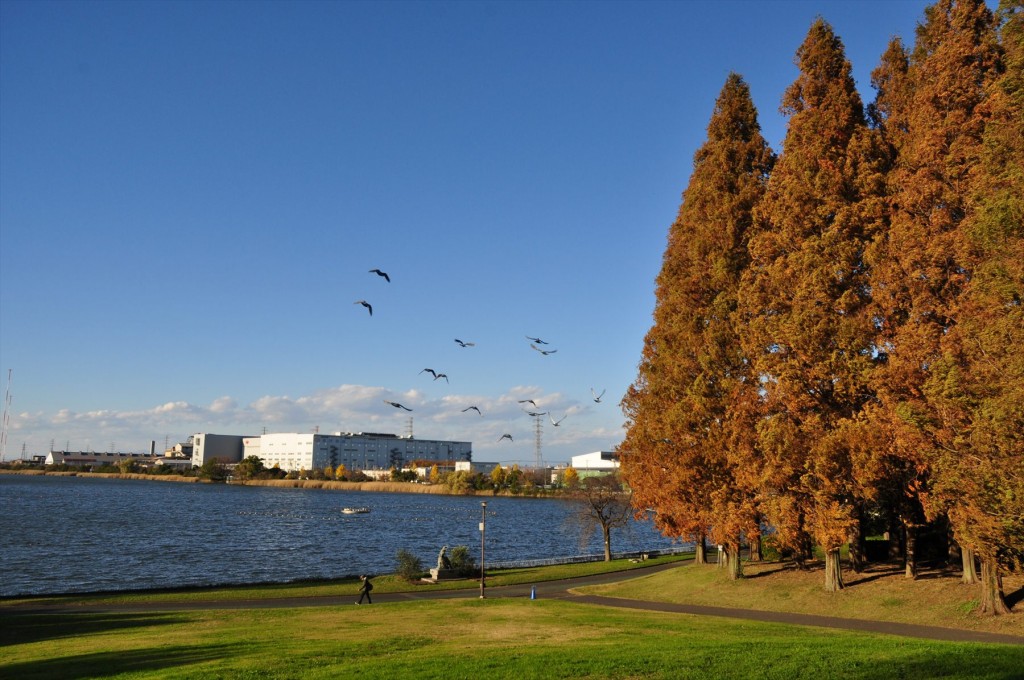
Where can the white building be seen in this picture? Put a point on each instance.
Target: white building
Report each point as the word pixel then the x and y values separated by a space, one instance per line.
pixel 596 463
pixel 226 448
pixel 293 451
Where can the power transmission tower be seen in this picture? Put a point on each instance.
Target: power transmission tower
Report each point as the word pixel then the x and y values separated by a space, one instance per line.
pixel 538 432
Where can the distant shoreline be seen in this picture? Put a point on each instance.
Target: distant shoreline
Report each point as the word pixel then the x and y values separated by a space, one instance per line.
pixel 331 485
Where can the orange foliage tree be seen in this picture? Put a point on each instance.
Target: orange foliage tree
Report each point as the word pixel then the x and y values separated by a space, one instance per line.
pixel 676 455
pixel 805 298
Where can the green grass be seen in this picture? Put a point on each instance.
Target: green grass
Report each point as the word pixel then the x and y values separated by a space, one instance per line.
pixel 511 638
pixel 386 583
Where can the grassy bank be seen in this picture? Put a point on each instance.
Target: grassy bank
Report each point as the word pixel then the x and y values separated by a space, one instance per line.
pixel 384 583
pixel 468 639
pixel 881 593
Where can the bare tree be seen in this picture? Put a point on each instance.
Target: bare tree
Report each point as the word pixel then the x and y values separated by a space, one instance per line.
pixel 604 504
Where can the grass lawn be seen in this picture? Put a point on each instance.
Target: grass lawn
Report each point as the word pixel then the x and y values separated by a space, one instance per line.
pixel 881 593
pixel 467 638
pixel 385 583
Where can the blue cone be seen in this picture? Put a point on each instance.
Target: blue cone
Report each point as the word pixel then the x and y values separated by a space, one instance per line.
pixel 533 592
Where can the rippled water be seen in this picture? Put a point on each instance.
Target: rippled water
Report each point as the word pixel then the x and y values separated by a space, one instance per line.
pixel 74 534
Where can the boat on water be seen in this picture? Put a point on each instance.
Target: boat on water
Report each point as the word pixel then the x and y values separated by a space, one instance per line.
pixel 355 511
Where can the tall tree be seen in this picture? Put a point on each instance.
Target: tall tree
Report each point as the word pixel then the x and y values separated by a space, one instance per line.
pixel 804 302
pixel 977 387
pixel 929 258
pixel 676 454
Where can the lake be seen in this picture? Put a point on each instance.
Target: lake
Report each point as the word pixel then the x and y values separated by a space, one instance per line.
pixel 78 534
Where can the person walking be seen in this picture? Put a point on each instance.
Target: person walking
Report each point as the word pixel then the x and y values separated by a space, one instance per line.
pixel 364 590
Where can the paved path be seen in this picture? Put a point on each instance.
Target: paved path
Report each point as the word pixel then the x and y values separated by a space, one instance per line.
pixel 561 590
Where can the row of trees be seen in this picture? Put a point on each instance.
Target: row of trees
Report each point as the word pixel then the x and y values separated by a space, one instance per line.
pixel 838 328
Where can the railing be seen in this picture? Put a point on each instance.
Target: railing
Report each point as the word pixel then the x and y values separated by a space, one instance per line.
pixel 596 557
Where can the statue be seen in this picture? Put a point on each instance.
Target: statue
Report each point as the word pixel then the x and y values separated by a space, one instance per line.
pixel 442 559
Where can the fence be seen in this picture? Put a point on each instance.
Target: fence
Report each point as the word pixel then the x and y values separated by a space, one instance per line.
pixel 596 557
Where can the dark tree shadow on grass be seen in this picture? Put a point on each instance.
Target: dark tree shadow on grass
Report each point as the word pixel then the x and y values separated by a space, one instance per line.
pixel 24 628
pixel 764 569
pixel 105 664
pixel 1012 599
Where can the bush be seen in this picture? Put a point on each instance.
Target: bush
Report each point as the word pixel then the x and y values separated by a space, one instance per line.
pixel 409 566
pixel 462 561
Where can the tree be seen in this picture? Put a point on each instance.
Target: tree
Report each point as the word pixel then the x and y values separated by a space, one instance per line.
pixel 571 478
pixel 435 474
pixel 978 386
pixel 926 279
pixel 213 469
pixel 681 424
pixel 604 505
pixel 498 477
pixel 805 302
pixel 250 468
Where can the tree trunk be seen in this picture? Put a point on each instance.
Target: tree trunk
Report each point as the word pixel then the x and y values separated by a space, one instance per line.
pixel 857 547
pixel 701 550
pixel 607 543
pixel 895 538
pixel 953 554
pixel 733 557
pixel 970 576
pixel 910 561
pixel 755 548
pixel 992 599
pixel 833 571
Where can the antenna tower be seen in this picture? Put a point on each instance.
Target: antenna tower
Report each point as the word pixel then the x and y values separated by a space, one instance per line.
pixel 408 428
pixel 7 418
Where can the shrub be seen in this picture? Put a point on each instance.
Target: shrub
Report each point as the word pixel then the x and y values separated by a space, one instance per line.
pixel 409 566
pixel 462 561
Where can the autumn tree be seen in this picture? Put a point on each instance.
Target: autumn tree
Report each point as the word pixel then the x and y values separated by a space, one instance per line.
pixel 676 453
pixel 571 478
pixel 804 302
pixel 924 280
pixel 977 388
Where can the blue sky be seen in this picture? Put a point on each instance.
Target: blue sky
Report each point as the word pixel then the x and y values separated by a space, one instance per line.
pixel 192 194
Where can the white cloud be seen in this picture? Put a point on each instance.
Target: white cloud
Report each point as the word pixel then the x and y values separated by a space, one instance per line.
pixel 350 408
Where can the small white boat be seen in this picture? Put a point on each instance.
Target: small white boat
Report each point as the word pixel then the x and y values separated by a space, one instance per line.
pixel 355 511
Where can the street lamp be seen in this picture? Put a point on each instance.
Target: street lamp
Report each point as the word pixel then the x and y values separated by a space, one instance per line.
pixel 483 532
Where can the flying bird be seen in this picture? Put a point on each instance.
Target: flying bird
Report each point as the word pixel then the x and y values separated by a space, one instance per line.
pixel 556 423
pixel 528 401
pixel 597 397
pixel 505 436
pixel 431 372
pixel 397 405
pixel 464 344
pixel 472 408
pixel 366 304
pixel 441 375
pixel 536 340
pixel 380 273
pixel 545 352
pixel 535 414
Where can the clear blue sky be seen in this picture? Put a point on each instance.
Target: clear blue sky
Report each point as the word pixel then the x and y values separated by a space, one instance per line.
pixel 192 194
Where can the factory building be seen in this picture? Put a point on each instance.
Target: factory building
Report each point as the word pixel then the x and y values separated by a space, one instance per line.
pixel 293 451
pixel 226 448
pixel 595 463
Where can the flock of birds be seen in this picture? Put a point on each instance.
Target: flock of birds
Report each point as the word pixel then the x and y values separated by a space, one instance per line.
pixel 535 343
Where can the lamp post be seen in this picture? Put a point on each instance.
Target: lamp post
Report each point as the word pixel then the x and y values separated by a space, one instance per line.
pixel 483 532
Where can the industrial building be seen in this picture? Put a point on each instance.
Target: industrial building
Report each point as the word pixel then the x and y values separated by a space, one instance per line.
pixel 225 448
pixel 595 463
pixel 292 451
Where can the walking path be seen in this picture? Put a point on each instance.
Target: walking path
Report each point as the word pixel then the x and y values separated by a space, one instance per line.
pixel 562 590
